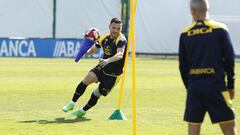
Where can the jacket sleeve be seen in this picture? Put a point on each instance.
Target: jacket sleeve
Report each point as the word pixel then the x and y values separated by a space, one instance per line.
pixel 183 62
pixel 228 58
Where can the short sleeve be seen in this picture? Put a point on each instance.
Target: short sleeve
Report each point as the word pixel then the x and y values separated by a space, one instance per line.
pixel 121 43
pixel 97 44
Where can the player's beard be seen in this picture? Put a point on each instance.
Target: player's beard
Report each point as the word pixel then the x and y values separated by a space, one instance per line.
pixel 114 35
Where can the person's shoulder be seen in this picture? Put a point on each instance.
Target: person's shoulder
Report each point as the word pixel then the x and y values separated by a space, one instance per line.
pixel 104 37
pixel 216 25
pixel 121 38
pixel 189 27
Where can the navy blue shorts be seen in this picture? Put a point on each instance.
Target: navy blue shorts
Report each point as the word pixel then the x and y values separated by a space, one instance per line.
pixel 107 82
pixel 203 96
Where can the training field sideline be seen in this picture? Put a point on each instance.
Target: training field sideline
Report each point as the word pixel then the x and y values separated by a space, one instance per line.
pixel 33 91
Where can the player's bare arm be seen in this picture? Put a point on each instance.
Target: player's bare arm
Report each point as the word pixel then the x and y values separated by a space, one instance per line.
pixel 116 57
pixel 92 50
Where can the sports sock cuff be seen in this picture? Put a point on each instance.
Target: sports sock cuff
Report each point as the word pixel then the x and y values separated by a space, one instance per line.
pixel 96 93
pixel 84 85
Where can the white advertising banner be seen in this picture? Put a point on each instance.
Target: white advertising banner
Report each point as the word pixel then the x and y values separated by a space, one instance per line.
pixel 26 18
pixel 76 16
pixel 159 23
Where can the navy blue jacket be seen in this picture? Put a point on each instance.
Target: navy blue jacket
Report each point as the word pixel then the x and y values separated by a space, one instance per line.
pixel 206 51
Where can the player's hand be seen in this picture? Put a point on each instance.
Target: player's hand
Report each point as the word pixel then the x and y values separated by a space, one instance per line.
pixel 103 62
pixel 231 93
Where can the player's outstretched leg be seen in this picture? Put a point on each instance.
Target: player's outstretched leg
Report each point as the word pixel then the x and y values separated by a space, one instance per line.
pixel 79 91
pixel 92 102
pixel 90 78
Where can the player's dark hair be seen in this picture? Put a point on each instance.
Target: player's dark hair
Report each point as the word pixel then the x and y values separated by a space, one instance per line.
pixel 115 20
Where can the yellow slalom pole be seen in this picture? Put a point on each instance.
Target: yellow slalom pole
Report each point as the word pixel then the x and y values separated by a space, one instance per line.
pixel 131 39
pixel 126 60
pixel 133 9
pixel 125 63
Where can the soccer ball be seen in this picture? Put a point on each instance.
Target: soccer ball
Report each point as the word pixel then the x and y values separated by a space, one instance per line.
pixel 93 34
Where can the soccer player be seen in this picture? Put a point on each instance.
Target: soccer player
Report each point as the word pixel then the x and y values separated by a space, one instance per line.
pixel 206 56
pixel 107 71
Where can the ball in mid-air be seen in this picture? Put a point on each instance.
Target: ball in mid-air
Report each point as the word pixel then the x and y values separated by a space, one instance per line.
pixel 93 34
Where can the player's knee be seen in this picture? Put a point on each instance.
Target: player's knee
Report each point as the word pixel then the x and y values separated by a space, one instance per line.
pixel 103 91
pixel 97 93
pixel 85 81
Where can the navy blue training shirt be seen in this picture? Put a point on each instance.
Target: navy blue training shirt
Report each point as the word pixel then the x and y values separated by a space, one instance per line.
pixel 110 46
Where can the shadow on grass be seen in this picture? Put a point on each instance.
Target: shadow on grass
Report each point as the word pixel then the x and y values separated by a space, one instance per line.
pixel 57 121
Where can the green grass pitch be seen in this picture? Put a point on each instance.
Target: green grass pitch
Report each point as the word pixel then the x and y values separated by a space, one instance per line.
pixel 33 91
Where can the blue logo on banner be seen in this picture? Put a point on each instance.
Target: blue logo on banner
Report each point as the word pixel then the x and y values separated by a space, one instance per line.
pixel 18 48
